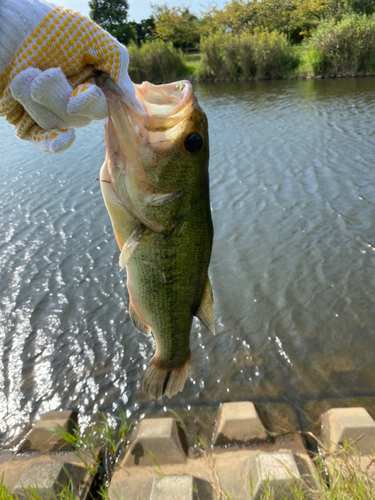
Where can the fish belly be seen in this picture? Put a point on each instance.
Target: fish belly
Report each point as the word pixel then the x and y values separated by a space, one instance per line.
pixel 166 277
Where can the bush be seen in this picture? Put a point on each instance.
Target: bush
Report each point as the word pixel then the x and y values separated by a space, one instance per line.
pixel 311 63
pixel 155 61
pixel 240 57
pixel 273 57
pixel 346 47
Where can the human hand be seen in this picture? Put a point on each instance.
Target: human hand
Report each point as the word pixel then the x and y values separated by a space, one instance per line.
pixel 48 89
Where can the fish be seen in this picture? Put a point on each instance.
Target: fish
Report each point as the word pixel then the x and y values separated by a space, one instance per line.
pixel 155 185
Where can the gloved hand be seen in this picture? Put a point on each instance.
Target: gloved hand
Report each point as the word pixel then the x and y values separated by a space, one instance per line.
pixel 47 89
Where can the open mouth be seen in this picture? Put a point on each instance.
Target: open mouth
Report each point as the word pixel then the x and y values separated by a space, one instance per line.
pixel 163 100
pixel 159 112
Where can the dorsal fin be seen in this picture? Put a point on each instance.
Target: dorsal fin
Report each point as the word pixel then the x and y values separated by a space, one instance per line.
pixel 206 309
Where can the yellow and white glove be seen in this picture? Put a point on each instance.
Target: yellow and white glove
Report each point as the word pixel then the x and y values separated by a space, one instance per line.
pixel 48 58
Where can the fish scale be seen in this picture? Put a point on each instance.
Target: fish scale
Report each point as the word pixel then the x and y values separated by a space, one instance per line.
pixel 169 306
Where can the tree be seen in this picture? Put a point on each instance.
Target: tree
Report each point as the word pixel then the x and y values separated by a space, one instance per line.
pixel 177 25
pixel 235 17
pixel 364 7
pixel 278 15
pixel 112 15
pixel 145 29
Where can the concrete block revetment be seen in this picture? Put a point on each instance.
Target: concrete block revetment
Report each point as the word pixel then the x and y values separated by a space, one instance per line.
pixel 273 470
pixel 180 488
pixel 238 423
pixel 353 424
pixel 49 478
pixel 162 438
pixel 42 440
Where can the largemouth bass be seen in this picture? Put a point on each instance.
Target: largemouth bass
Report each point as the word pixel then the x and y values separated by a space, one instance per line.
pixel 155 186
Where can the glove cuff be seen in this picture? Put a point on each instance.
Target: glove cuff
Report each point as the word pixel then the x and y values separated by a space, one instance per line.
pixel 17 21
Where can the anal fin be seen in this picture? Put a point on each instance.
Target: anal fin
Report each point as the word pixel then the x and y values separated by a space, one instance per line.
pixel 206 309
pixel 138 321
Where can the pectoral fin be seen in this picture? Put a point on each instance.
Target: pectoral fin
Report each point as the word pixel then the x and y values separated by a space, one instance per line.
pixel 138 321
pixel 122 222
pixel 130 245
pixel 160 199
pixel 206 309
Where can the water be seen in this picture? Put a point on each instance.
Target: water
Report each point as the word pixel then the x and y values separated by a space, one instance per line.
pixel 293 200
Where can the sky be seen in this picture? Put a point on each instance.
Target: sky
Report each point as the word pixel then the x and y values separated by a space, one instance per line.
pixel 141 9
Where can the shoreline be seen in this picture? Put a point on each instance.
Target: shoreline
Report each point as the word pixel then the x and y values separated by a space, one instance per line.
pixel 193 79
pixel 164 457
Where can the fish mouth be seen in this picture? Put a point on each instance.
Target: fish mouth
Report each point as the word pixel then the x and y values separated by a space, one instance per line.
pixel 166 107
pixel 156 113
pixel 164 101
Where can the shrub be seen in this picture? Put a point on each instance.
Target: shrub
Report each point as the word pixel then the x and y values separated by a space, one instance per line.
pixel 273 57
pixel 155 61
pixel 347 46
pixel 214 63
pixel 312 62
pixel 238 57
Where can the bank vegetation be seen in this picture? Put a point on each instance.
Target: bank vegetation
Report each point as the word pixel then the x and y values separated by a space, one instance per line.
pixel 335 48
pixel 245 39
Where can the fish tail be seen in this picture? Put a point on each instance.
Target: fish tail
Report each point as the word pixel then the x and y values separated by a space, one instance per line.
pixel 162 379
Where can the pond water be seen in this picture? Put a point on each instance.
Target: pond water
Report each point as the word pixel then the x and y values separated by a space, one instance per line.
pixel 293 200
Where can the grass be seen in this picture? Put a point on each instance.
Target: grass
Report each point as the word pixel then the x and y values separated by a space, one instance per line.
pixel 192 68
pixel 99 445
pixel 340 475
pixel 97 448
pixel 311 62
pixel 32 493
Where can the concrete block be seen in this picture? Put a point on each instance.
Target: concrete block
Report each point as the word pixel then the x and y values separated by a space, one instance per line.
pixel 274 470
pixel 238 423
pixel 49 478
pixel 180 488
pixel 40 439
pixel 161 437
pixel 229 466
pixel 278 417
pixel 128 487
pixel 313 410
pixel 353 424
pixel 5 456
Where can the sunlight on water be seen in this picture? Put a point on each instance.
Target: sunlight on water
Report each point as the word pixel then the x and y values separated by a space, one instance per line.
pixel 293 199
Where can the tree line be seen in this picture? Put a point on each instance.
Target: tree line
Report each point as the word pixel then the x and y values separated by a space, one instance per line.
pixel 297 19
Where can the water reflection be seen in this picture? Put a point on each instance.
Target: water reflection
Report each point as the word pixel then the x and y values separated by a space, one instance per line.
pixel 293 198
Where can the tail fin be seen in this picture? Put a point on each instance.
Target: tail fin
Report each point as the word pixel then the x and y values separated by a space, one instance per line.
pixel 162 379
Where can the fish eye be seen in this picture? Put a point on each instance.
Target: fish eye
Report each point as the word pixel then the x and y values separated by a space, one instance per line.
pixel 193 143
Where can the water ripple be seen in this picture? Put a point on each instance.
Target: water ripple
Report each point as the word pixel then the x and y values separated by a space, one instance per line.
pixel 293 201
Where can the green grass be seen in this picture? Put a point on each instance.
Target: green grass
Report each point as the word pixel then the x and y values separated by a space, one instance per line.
pixel 98 444
pixel 191 67
pixel 339 475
